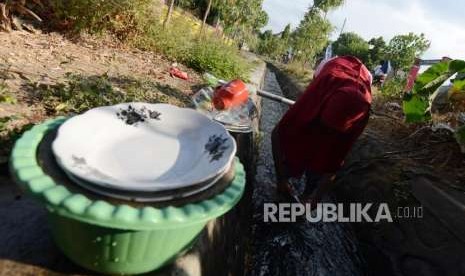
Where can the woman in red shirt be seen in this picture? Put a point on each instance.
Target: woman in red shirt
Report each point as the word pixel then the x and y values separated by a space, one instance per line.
pixel 318 131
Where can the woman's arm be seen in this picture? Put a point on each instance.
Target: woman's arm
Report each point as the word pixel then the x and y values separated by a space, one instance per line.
pixel 282 176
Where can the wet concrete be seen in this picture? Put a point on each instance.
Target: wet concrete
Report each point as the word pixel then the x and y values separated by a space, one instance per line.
pixel 300 248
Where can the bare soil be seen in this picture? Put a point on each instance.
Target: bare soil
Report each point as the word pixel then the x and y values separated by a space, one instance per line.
pixel 390 163
pixel 29 61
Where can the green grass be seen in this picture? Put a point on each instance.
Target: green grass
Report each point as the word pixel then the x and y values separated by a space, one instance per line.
pixel 139 23
pixel 6 96
pixel 393 87
pixel 207 53
pixel 302 73
pixel 298 74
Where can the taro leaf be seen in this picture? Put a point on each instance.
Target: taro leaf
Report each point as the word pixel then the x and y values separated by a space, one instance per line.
pixel 415 108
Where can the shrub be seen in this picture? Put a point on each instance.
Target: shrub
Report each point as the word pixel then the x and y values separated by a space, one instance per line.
pixel 205 54
pixel 393 87
pixel 299 70
pixel 213 56
pixel 81 93
pixel 5 96
pixel 123 17
pixel 138 22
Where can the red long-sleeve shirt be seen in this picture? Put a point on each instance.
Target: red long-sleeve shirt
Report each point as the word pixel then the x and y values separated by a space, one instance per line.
pixel 319 130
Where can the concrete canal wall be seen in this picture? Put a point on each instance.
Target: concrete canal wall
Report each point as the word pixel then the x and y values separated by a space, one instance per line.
pixel 222 247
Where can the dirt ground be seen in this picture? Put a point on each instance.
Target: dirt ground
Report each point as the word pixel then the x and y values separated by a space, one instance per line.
pixel 398 163
pixel 419 146
pixel 386 161
pixel 29 61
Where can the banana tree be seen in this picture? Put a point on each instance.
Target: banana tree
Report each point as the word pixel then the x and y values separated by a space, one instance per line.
pixel 417 103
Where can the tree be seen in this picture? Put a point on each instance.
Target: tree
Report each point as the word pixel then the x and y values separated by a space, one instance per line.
pixel 169 13
pixel 327 5
pixel 311 36
pixel 274 45
pixel 269 44
pixel 352 44
pixel 241 19
pixel 377 51
pixel 403 49
pixel 241 16
pixel 207 11
pixel 260 21
pixel 286 34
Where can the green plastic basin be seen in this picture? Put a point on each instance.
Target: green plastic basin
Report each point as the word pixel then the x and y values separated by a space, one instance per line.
pixel 115 251
pixel 115 238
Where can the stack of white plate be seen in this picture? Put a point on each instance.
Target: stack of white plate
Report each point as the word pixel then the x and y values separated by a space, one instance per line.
pixel 144 152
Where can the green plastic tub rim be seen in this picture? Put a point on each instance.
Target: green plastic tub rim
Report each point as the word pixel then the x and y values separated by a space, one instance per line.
pixel 59 200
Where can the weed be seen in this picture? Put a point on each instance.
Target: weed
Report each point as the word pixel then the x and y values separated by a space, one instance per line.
pixel 3 123
pixel 206 54
pixel 5 96
pixel 138 23
pixel 299 70
pixel 212 56
pixel 8 137
pixel 393 87
pixel 81 93
pixel 122 17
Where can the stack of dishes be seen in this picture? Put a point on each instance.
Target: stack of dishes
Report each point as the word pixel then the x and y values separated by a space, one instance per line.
pixel 144 152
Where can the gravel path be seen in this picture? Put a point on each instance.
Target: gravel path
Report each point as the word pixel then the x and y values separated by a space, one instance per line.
pixel 299 248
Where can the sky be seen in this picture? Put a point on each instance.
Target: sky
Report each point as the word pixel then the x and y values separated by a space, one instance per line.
pixel 442 21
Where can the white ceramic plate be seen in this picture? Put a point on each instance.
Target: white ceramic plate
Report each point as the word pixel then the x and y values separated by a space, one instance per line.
pixel 143 196
pixel 143 147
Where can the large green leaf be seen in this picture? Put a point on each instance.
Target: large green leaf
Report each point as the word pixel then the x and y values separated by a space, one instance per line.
pixel 416 106
pixel 457 65
pixel 432 78
pixel 415 109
